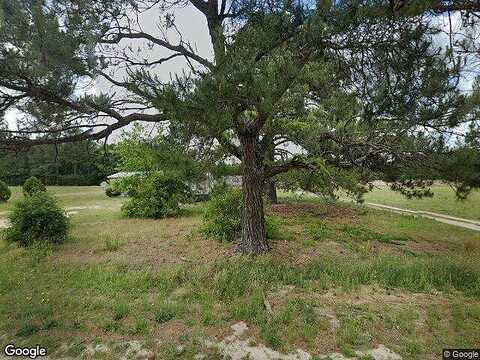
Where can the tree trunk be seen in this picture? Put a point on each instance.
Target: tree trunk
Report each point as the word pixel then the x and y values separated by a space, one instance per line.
pixel 271 191
pixel 253 238
pixel 270 185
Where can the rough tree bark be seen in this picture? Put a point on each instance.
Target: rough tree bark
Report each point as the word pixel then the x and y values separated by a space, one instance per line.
pixel 253 237
pixel 271 191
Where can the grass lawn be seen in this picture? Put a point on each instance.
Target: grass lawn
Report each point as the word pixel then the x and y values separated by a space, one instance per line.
pixel 339 278
pixel 69 196
pixel 444 201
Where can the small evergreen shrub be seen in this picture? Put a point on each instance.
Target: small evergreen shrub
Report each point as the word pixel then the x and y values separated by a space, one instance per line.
pixel 111 192
pixel 222 218
pixel 5 192
pixel 33 185
pixel 155 196
pixel 38 218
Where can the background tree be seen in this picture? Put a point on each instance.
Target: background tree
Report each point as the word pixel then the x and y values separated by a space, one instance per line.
pixel 374 90
pixel 141 151
pixel 74 164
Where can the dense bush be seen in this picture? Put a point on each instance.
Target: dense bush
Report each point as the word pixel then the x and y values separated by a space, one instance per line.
pixel 128 184
pixel 223 214
pixel 5 192
pixel 33 185
pixel 155 196
pixel 38 218
pixel 110 191
pixel 222 218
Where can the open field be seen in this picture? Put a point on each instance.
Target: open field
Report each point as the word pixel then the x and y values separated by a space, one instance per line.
pixel 69 196
pixel 443 201
pixel 340 278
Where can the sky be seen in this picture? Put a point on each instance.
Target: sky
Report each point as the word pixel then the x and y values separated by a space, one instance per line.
pixel 193 27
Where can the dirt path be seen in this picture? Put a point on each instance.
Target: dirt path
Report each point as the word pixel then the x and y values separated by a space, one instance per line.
pixel 3 223
pixel 451 220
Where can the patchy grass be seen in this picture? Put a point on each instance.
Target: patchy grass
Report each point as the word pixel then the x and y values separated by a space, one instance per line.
pixel 339 278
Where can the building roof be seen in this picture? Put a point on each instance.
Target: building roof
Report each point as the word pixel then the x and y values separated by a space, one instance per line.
pixel 123 174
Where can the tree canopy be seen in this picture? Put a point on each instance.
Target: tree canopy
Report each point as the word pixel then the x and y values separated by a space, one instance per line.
pixel 73 164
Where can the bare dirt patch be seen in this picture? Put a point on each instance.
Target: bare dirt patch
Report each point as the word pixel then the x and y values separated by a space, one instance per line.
pixel 295 253
pixel 289 210
pixel 238 346
pixel 388 314
pixel 141 242
pixel 315 210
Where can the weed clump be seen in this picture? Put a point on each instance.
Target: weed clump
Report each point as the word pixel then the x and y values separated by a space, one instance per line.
pixel 120 310
pixel 365 234
pixel 319 231
pixel 111 244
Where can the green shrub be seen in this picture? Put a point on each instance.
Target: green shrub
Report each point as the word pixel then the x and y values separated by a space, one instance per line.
pixel 222 218
pixel 128 184
pixel 111 192
pixel 38 218
pixel 223 214
pixel 272 227
pixel 33 185
pixel 155 196
pixel 5 192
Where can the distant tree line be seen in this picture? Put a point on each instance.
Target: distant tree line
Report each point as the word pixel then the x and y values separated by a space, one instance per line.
pixel 74 164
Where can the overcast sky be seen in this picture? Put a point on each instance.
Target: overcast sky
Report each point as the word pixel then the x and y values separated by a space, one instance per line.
pixel 192 26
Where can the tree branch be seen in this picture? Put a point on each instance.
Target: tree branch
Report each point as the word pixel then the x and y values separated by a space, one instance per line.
pixel 177 48
pixel 273 170
pixel 229 146
pixel 13 143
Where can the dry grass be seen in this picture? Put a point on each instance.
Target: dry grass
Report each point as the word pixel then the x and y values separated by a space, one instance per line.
pixel 339 278
pixel 151 243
